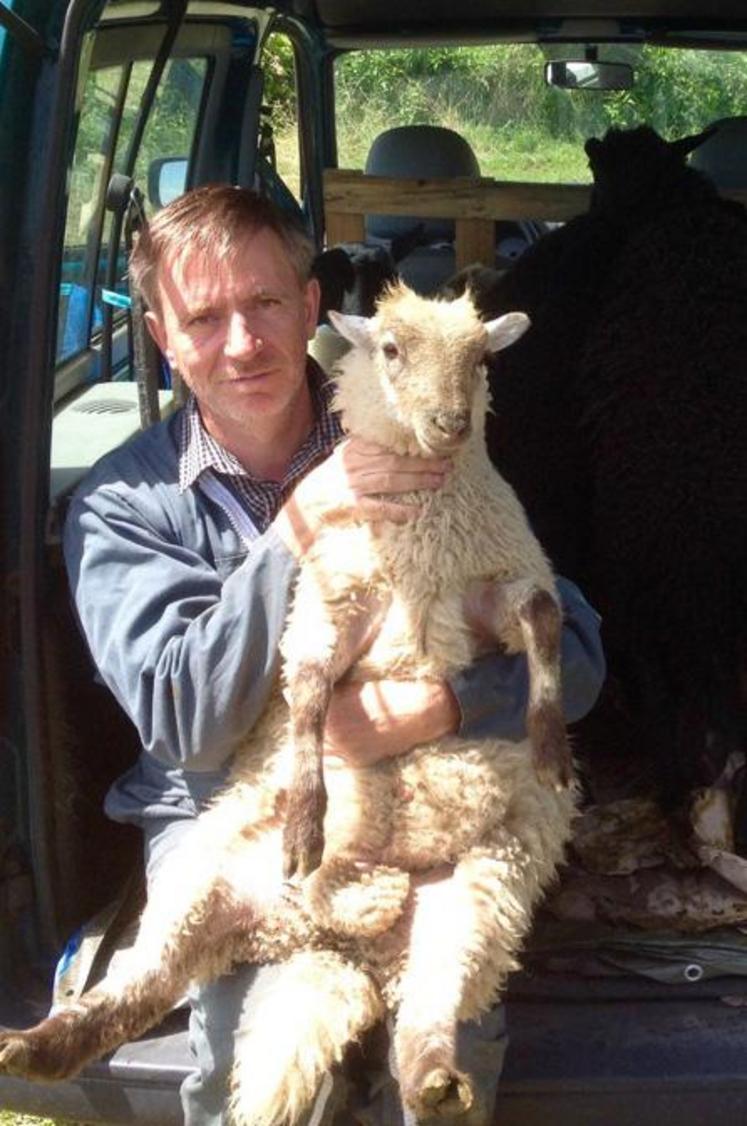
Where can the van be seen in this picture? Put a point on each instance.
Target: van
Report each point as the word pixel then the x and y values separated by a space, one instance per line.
pixel 107 111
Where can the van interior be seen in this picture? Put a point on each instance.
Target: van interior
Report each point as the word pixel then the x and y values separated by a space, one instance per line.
pixel 107 111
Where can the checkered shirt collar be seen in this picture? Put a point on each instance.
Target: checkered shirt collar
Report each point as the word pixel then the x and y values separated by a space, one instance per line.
pixel 199 451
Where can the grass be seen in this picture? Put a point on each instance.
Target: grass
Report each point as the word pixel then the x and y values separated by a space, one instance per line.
pixel 9 1118
pixel 505 152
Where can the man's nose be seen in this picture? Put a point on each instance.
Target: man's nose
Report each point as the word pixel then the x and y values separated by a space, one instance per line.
pixel 241 339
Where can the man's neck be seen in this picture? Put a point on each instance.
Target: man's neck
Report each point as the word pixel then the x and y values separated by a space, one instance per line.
pixel 266 445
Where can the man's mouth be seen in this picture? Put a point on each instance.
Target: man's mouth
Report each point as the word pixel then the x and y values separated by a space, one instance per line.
pixel 248 377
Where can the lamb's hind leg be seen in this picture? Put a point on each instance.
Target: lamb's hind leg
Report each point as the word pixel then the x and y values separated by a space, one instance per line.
pixel 430 994
pixel 187 932
pixel 116 1011
pixel 290 1038
pixel 466 931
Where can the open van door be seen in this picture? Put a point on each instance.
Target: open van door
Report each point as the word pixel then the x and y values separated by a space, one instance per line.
pixel 169 98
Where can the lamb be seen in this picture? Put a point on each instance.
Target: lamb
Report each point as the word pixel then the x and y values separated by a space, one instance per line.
pixel 632 383
pixel 433 862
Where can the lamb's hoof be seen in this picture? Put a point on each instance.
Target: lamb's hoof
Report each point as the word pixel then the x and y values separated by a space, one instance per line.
pixel 303 832
pixel 444 1093
pixel 14 1053
pixel 553 763
pixel 33 1054
pixel 302 854
pixel 554 778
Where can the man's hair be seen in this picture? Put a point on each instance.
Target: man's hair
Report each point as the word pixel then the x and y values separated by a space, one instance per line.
pixel 210 222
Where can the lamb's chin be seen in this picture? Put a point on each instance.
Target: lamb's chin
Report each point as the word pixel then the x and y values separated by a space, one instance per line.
pixel 430 446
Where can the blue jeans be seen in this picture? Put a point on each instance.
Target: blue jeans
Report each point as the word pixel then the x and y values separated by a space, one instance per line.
pixel 366 1092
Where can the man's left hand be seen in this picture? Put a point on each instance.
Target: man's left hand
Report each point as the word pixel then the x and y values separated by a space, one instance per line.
pixel 374 720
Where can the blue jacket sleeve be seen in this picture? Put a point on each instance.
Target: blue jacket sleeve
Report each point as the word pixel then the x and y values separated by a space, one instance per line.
pixel 493 692
pixel 191 658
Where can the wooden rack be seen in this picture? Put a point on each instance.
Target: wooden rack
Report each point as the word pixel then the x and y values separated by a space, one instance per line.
pixel 474 204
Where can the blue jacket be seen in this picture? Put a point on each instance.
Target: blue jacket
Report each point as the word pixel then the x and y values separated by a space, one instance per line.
pixel 183 616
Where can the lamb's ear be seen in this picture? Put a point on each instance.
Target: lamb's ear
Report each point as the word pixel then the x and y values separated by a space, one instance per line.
pixel 355 329
pixel 505 330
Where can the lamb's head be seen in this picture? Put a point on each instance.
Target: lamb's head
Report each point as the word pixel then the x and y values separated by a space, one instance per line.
pixel 414 380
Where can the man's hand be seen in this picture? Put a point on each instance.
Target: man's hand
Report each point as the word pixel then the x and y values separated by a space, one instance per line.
pixel 348 485
pixel 374 720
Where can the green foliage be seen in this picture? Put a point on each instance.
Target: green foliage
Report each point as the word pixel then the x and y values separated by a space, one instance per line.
pixel 497 98
pixel 10 1118
pixel 476 84
pixel 279 67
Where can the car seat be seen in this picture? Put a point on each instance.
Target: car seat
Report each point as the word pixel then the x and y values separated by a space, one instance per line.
pixel 420 151
pixel 432 151
pixel 723 157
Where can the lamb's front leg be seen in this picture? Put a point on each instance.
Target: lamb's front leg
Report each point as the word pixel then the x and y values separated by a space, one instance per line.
pixel 525 616
pixel 466 931
pixel 320 644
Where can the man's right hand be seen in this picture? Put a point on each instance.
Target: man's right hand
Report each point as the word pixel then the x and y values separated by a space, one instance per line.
pixel 349 484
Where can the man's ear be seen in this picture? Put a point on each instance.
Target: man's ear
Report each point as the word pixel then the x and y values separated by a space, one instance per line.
pixel 156 329
pixel 311 299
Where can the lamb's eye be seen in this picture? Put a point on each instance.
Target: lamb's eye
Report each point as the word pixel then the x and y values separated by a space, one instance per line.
pixel 390 350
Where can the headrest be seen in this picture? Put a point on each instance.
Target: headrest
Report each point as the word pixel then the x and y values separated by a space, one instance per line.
pixel 723 157
pixel 421 151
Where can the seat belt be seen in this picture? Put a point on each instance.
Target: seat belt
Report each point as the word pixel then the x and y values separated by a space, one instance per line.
pixel 126 201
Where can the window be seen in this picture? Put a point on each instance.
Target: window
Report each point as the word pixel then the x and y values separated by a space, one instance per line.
pixel 111 105
pixel 96 134
pixel 279 144
pixel 519 127
pixel 166 145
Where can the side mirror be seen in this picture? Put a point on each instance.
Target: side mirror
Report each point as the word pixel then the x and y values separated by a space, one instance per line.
pixel 167 179
pixel 585 75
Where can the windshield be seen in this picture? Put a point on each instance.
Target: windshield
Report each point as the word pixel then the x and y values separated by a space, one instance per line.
pixel 519 127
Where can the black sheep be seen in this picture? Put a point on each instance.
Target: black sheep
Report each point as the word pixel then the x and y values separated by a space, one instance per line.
pixel 621 419
pixel 351 276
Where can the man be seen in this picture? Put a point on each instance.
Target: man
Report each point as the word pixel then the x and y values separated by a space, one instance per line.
pixel 182 548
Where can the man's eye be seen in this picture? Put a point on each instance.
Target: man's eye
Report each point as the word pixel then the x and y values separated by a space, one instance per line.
pixel 267 302
pixel 200 319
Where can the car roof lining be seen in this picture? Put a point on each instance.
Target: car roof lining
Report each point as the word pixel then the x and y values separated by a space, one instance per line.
pixel 349 24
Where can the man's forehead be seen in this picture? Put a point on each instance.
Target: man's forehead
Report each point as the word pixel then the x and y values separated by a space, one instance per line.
pixel 257 261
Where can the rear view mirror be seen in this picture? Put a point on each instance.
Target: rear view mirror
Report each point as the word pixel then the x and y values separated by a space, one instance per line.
pixel 589 75
pixel 167 179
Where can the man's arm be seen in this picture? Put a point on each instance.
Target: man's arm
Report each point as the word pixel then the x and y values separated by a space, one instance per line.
pixel 367 722
pixel 493 693
pixel 190 657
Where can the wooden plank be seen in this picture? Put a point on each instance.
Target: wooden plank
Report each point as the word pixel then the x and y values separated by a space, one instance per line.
pixel 353 193
pixel 349 196
pixel 342 227
pixel 475 242
pixel 737 194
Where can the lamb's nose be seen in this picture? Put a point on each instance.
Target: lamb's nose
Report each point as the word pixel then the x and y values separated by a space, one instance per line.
pixel 452 423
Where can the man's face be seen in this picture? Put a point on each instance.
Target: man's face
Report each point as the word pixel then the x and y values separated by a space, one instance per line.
pixel 237 331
